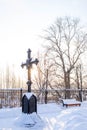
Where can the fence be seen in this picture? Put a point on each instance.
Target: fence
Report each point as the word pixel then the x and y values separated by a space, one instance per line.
pixel 13 97
pixel 10 97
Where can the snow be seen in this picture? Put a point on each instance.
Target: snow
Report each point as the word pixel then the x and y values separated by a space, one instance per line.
pixel 49 116
pixel 28 95
pixel 70 101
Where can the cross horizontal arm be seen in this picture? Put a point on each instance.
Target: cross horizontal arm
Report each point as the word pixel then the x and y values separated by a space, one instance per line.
pixel 35 61
pixel 23 64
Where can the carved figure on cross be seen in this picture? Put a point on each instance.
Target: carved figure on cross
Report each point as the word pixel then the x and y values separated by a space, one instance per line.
pixel 28 65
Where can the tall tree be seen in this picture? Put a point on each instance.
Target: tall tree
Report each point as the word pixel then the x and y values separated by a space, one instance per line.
pixel 66 41
pixel 7 76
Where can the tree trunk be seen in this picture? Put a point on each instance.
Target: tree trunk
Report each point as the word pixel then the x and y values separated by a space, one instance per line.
pixel 46 92
pixel 67 85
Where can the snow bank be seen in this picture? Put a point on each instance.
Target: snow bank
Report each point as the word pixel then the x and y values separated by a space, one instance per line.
pixel 50 117
pixel 28 120
pixel 28 95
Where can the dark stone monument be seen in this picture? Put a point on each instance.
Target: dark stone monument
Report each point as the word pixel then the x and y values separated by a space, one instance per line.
pixel 29 103
pixel 29 100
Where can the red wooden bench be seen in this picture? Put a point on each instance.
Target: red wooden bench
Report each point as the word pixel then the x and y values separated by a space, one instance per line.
pixel 70 102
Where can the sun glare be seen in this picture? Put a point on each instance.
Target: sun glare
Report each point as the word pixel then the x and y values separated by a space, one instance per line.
pixel 34 72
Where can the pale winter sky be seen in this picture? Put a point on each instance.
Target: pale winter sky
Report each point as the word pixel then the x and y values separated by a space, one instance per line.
pixel 22 21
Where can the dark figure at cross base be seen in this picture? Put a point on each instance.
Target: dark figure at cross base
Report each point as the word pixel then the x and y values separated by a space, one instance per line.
pixel 28 64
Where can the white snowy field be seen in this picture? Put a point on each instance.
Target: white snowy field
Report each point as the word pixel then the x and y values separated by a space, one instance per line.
pixel 49 117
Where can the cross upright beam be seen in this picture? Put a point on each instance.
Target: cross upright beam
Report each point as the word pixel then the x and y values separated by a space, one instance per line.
pixel 29 53
pixel 29 62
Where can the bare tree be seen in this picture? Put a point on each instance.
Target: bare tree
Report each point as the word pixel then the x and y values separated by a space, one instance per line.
pixel 7 76
pixel 1 77
pixel 39 80
pixel 43 77
pixel 66 42
pixel 13 80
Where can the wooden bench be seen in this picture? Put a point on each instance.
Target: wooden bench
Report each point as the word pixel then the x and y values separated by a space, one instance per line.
pixel 70 102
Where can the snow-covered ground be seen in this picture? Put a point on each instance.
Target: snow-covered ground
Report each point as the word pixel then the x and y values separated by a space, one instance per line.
pixel 49 117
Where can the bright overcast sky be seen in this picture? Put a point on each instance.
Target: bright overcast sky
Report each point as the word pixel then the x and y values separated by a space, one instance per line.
pixel 22 21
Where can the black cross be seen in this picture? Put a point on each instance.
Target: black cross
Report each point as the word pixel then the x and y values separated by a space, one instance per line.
pixel 28 65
